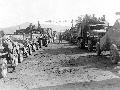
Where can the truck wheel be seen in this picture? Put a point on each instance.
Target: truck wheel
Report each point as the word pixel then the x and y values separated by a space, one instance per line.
pixel 98 51
pixel 3 68
pixel 114 54
pixel 90 47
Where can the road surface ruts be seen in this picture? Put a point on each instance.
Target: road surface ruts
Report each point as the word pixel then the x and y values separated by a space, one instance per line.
pixel 63 67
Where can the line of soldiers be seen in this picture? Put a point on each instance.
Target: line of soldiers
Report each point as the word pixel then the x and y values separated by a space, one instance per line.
pixel 13 52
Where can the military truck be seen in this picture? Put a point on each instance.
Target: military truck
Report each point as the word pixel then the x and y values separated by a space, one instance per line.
pixel 89 34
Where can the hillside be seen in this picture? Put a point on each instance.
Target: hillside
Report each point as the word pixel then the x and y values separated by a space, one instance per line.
pixel 12 29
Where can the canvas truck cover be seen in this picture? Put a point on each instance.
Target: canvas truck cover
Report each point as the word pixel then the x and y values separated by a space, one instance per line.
pixel 111 36
pixel 80 31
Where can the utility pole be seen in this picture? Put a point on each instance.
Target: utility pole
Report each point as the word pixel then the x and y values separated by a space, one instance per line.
pixel 19 27
pixel 39 27
pixel 72 23
pixel 30 31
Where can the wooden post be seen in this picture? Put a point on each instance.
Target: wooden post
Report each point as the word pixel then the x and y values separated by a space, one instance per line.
pixel 23 36
pixel 30 34
pixel 72 23
pixel 31 31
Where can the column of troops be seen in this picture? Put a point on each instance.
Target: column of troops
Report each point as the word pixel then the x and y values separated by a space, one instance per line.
pixel 13 51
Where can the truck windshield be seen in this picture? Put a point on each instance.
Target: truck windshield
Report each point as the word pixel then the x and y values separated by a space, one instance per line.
pixel 96 27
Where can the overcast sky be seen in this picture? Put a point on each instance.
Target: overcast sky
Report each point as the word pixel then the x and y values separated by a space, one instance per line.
pixel 15 12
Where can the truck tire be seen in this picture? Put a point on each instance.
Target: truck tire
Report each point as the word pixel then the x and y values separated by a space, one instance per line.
pixel 114 54
pixel 90 46
pixel 98 51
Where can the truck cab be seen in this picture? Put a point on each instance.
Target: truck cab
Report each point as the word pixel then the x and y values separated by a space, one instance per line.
pixel 89 35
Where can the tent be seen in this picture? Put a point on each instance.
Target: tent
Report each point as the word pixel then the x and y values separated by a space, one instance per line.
pixel 111 36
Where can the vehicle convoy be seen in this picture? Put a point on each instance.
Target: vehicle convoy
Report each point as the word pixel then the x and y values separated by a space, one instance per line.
pixel 89 34
pixel 111 42
pixel 87 31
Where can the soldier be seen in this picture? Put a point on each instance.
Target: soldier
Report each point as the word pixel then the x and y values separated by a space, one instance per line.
pixel 40 40
pixel 44 40
pixel 36 43
pixel 3 57
pixel 60 38
pixel 54 34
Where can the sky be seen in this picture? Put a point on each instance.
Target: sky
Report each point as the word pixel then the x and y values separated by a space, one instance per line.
pixel 15 12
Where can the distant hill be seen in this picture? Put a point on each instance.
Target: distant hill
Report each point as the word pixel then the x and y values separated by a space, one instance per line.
pixel 12 29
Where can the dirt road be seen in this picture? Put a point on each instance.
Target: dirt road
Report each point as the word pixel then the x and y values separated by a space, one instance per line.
pixel 63 67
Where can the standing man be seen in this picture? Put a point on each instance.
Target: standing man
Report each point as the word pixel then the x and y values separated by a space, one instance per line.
pixel 54 33
pixel 40 40
pixel 60 38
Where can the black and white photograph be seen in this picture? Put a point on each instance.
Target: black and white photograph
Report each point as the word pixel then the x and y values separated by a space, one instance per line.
pixel 59 45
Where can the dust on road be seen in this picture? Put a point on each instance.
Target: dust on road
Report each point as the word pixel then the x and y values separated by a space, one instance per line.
pixel 60 66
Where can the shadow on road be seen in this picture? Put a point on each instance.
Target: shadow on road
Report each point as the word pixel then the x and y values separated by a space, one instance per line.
pixel 67 50
pixel 84 58
pixel 89 61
